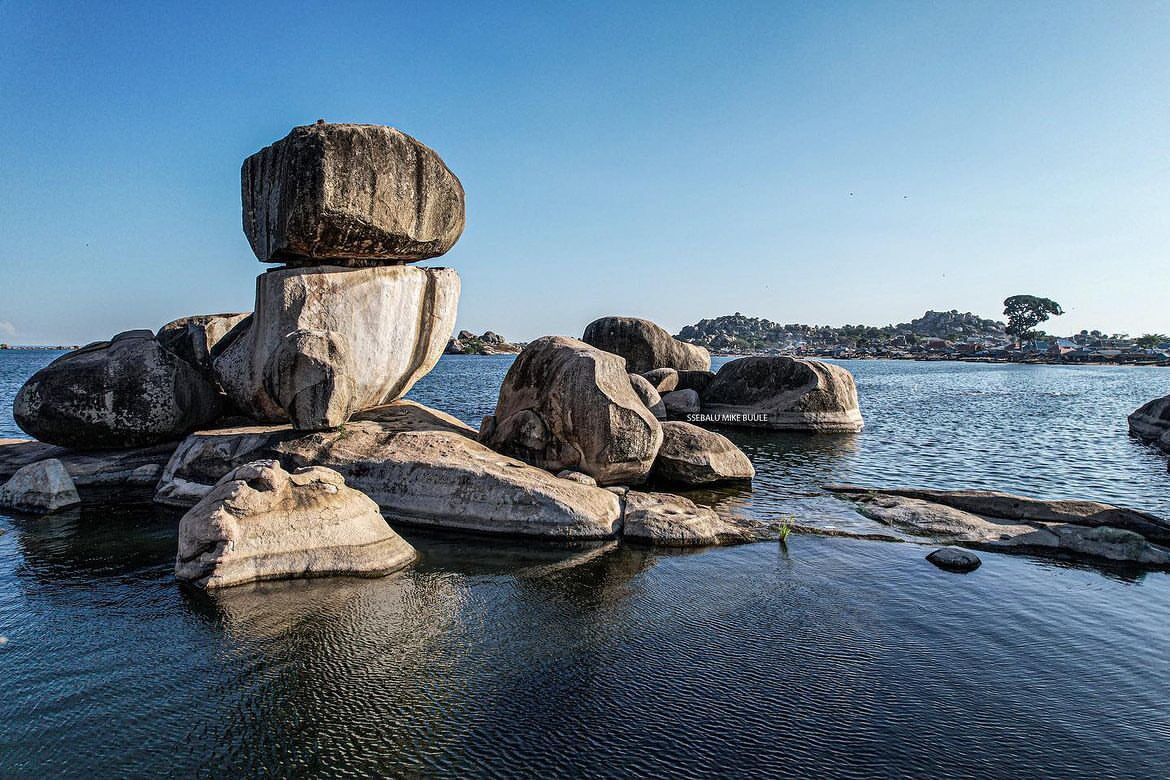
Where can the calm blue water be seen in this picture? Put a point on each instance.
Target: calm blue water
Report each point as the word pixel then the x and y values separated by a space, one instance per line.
pixel 833 658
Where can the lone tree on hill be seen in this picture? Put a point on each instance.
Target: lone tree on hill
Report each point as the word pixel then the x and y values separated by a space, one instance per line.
pixel 1025 312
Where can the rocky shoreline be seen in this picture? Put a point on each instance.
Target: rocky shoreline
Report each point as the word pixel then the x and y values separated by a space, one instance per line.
pixel 284 435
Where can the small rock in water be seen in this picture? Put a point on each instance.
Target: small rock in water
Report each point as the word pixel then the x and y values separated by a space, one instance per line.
pixel 955 559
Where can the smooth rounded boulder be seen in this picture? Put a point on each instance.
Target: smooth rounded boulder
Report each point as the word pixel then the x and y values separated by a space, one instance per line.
pixel 1151 422
pixel 127 392
pixel 566 405
pixel 783 393
pixel 649 395
pixel 328 342
pixel 39 488
pixel 644 345
pixel 261 522
pixel 691 455
pixel 349 194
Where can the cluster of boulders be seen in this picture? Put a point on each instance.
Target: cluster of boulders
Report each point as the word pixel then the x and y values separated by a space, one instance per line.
pixel 284 434
pixel 489 343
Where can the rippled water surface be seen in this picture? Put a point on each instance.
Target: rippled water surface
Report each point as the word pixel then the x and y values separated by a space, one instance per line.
pixel 830 658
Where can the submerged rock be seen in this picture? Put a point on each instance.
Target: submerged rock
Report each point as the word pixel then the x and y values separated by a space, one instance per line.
pixel 567 405
pixel 955 559
pixel 350 194
pixel 644 345
pixel 328 342
pixel 127 392
pixel 691 455
pixel 421 466
pixel 263 523
pixel 39 488
pixel 784 393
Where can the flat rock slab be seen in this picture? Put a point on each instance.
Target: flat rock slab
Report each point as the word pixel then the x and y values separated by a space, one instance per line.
pixel 951 525
pixel 423 467
pixel 667 520
pixel 101 476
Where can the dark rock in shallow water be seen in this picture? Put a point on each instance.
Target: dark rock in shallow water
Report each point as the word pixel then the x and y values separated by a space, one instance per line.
pixel 101 476
pixel 349 195
pixel 644 345
pixel 566 405
pixel 698 381
pixel 1151 422
pixel 784 393
pixel 955 559
pixel 128 392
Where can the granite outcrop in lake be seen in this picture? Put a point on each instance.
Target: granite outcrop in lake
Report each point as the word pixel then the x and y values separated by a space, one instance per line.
pixel 1151 423
pixel 1004 522
pixel 644 345
pixel 784 393
pixel 261 522
pixel 488 343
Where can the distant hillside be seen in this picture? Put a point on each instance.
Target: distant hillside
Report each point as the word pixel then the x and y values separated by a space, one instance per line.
pixel 735 331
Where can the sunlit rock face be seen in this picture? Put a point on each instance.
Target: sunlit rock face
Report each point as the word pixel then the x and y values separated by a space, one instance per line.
pixel 644 345
pixel 349 194
pixel 327 342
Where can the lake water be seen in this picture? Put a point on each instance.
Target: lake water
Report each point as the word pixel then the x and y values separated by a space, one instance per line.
pixel 830 658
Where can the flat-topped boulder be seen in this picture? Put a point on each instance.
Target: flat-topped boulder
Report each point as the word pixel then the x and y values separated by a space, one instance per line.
pixel 422 467
pixel 127 392
pixel 1151 422
pixel 644 345
pixel 39 488
pixel 328 342
pixel 100 476
pixel 566 405
pixel 261 522
pixel 691 455
pixel 350 194
pixel 783 393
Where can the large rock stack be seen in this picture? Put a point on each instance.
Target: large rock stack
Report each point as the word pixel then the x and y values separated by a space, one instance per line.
pixel 346 326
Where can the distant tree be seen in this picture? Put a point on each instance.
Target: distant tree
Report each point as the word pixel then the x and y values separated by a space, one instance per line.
pixel 1025 312
pixel 1149 340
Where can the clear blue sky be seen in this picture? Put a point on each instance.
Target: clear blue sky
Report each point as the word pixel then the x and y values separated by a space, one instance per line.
pixel 805 162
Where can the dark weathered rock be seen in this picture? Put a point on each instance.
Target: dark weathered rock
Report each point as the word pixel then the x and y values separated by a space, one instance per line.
pixel 421 466
pixel 954 559
pixel 644 345
pixel 698 381
pixel 784 393
pixel 1151 422
pixel 649 395
pixel 368 335
pixel 349 195
pixel 681 403
pixel 664 380
pixel 39 488
pixel 264 523
pixel 128 392
pixel 567 405
pixel 101 476
pixel 194 338
pixel 691 455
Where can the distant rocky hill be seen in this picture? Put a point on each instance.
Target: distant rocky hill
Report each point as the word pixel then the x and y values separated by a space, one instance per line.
pixel 739 332
pixel 490 343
